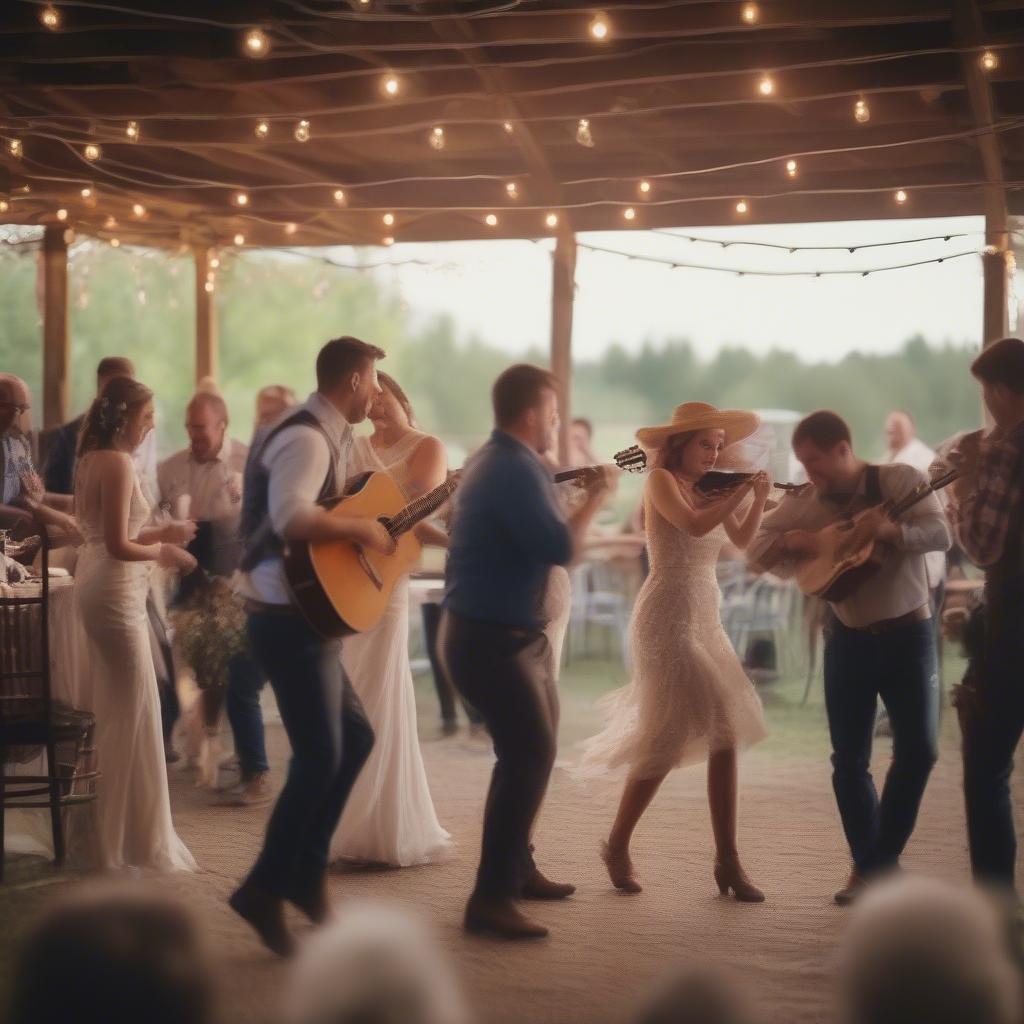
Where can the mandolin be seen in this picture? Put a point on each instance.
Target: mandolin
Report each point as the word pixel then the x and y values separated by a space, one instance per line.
pixel 844 559
pixel 340 587
pixel 632 460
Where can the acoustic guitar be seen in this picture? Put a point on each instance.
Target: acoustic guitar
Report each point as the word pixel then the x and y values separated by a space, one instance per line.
pixel 844 559
pixel 339 586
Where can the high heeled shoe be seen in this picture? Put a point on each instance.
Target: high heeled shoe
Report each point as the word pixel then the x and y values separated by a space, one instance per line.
pixel 620 869
pixel 729 875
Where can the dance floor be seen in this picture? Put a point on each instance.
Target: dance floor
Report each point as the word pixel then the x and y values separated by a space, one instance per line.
pixel 604 946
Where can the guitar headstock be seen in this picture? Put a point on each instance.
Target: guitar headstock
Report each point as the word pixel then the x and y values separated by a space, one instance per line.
pixel 632 459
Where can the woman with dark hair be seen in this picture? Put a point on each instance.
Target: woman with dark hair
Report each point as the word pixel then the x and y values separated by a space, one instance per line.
pixel 133 816
pixel 390 818
pixel 689 699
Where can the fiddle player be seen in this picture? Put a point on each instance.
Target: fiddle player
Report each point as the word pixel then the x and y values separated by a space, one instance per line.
pixel 878 640
pixel 989 520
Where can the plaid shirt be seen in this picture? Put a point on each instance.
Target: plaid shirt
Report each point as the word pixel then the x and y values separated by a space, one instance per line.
pixel 985 515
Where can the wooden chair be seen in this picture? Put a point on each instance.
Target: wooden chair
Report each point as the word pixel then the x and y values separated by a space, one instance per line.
pixel 32 722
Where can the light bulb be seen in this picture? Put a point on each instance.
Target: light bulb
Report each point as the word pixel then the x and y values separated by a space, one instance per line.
pixel 110 223
pixel 62 214
pixel 599 27
pixel 339 196
pixel 742 207
pixel 750 14
pixel 391 85
pixel 507 125
pixel 16 149
pixel 92 152
pixel 629 213
pixel 551 220
pixel 87 193
pixel 239 239
pixel 214 263
pixel 491 220
pixel 290 228
pixel 256 43
pixel 132 131
pixel 436 137
pixel 139 210
pixel 115 242
pixel 50 17
pixel 389 219
pixel 262 129
pixel 301 132
pixel 766 86
pixel 241 199
pixel 4 205
pixel 989 61
pixel 208 287
pixel 861 111
pixel 387 240
pixel 901 196
pixel 791 168
pixel 583 135
pixel 645 188
pixel 512 189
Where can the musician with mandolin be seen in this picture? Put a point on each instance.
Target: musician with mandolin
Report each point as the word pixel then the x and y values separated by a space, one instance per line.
pixel 857 537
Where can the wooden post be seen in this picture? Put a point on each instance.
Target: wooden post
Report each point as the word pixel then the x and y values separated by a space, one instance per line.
pixel 562 297
pixel 56 343
pixel 206 317
pixel 996 272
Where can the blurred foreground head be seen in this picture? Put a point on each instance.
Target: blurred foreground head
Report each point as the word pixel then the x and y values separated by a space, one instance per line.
pixel 920 951
pixel 377 965
pixel 112 955
pixel 688 996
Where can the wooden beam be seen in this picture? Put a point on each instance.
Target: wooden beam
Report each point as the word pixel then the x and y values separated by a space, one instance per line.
pixel 56 342
pixel 563 288
pixel 206 318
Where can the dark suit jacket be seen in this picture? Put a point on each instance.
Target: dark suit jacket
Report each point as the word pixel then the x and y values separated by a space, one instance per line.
pixel 59 472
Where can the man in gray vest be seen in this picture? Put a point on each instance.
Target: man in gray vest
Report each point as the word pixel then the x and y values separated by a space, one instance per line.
pixel 301 463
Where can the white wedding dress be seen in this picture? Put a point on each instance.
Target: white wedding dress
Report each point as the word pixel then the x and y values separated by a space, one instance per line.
pixel 133 826
pixel 689 695
pixel 389 817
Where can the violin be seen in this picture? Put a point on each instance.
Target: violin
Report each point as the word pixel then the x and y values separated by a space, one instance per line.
pixel 720 483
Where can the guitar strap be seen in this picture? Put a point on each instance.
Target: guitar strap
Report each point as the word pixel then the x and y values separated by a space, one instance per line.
pixel 872 485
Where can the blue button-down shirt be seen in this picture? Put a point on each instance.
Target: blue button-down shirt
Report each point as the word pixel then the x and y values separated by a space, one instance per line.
pixel 507 532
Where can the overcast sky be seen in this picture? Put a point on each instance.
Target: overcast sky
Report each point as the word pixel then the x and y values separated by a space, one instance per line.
pixel 501 290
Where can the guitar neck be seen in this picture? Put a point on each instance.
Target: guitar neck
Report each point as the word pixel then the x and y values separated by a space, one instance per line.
pixel 922 492
pixel 415 512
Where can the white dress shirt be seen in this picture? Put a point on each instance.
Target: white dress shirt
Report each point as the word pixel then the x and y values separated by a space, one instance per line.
pixel 214 487
pixel 917 454
pixel 297 460
pixel 901 584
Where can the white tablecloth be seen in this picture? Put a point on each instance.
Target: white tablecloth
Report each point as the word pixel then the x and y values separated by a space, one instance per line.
pixel 28 831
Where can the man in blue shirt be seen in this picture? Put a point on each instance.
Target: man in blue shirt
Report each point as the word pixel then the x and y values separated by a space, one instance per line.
pixel 507 532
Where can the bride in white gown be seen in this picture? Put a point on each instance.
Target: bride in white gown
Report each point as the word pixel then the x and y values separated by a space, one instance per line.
pixel 133 826
pixel 389 817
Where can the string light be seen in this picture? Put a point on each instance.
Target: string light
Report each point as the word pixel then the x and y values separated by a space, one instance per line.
pixel 256 43
pixel 291 227
pixel 507 125
pixel 861 111
pixel 989 61
pixel 551 220
pixel 62 214
pixel 4 205
pixel 301 132
pixel 208 287
pixel 339 196
pixel 16 149
pixel 387 240
pixel 742 206
pixel 50 17
pixel 644 188
pixel 512 189
pixel 766 86
pixel 391 86
pixel 92 152
pixel 214 263
pixel 115 242
pixel 599 27
pixel 629 213
pixel 791 168
pixel 262 129
pixel 132 131
pixel 139 210
pixel 750 14
pixel 241 199
pixel 239 239
pixel 110 223
pixel 436 137
pixel 491 220
pixel 583 135
pixel 389 219
pixel 901 196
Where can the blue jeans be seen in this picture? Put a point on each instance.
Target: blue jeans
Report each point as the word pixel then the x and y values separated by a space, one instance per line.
pixel 245 680
pixel 900 667
pixel 330 738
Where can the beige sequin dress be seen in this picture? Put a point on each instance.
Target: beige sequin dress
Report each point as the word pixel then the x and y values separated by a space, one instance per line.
pixel 689 695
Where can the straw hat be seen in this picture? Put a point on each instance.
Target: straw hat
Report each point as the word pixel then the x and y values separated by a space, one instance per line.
pixel 737 424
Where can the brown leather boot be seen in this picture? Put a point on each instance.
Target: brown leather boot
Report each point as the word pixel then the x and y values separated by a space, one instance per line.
pixel 730 875
pixel 265 912
pixel 498 915
pixel 313 899
pixel 537 887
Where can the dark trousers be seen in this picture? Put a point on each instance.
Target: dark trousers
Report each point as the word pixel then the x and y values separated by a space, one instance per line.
pixel 245 681
pixel 992 719
pixel 508 676
pixel 330 738
pixel 899 667
pixel 163 663
pixel 431 612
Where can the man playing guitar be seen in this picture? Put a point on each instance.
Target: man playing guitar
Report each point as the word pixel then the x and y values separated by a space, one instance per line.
pixel 878 641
